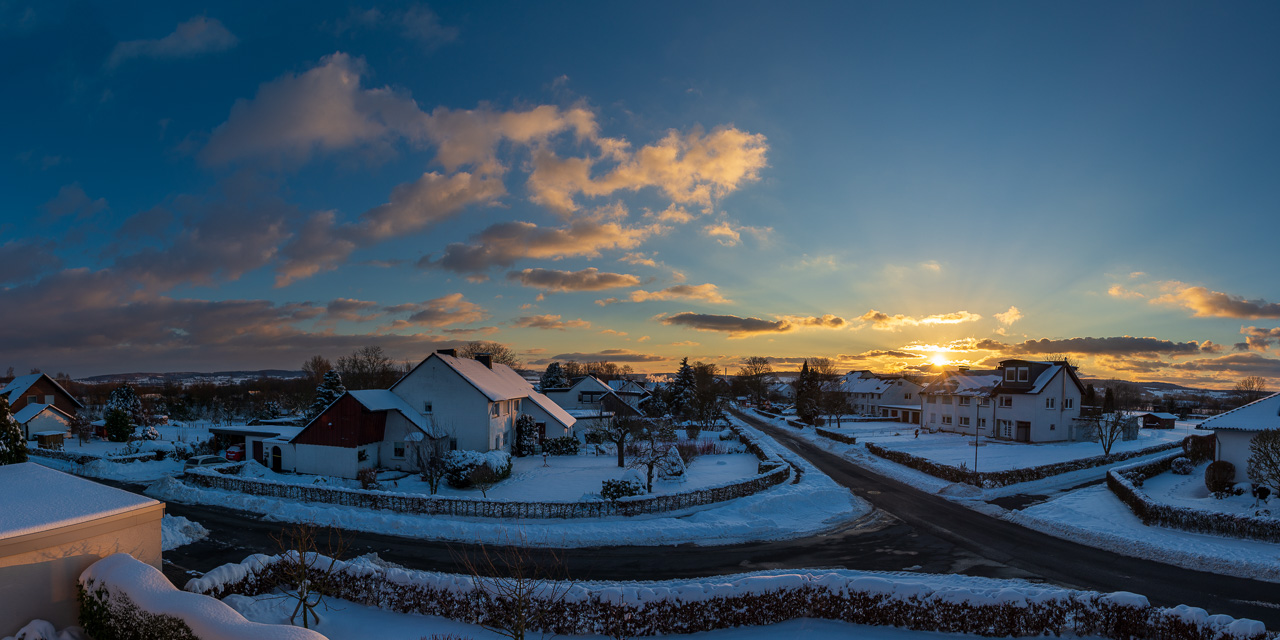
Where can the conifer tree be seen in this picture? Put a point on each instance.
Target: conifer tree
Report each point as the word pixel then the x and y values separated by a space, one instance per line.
pixel 682 390
pixel 123 398
pixel 553 377
pixel 13 445
pixel 327 393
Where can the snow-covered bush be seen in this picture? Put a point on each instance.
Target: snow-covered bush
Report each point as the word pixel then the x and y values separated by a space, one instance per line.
pixel 1182 466
pixel 562 446
pixel 1218 477
pixel 728 434
pixel 149 433
pixel 621 488
pixel 13 446
pixel 459 464
pixel 368 477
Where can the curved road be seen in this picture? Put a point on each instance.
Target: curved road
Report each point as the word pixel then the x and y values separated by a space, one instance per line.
pixel 910 530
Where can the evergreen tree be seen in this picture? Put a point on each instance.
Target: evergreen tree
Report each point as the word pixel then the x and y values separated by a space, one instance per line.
pixel 807 392
pixel 1109 401
pixel 13 445
pixel 327 393
pixel 526 443
pixel 123 398
pixel 1090 396
pixel 553 377
pixel 119 427
pixel 682 391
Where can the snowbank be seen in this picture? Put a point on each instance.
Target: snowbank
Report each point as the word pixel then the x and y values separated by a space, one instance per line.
pixel 118 582
pixel 176 531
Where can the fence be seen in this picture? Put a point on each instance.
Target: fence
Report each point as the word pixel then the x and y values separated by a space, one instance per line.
pixel 837 436
pixel 1125 483
pixel 993 479
pixel 85 458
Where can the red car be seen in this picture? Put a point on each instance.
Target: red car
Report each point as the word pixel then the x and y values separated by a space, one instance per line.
pixel 235 452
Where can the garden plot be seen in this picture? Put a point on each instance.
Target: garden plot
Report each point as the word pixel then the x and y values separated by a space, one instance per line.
pixel 558 479
pixel 1190 491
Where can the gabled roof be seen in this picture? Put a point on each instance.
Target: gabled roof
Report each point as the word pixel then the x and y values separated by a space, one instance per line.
pixel 30 411
pixel 1162 416
pixel 1255 416
pixel 552 409
pixel 498 383
pixel 964 383
pixel 384 400
pixel 624 385
pixel 19 385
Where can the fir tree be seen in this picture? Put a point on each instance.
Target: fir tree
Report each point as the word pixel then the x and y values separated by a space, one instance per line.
pixel 682 390
pixel 327 393
pixel 1109 401
pixel 119 427
pixel 123 398
pixel 553 377
pixel 13 445
pixel 807 394
pixel 526 443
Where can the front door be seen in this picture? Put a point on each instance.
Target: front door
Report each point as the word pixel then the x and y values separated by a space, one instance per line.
pixel 275 458
pixel 257 450
pixel 1024 431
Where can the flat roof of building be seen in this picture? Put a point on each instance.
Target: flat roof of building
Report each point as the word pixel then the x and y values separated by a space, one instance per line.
pixel 37 498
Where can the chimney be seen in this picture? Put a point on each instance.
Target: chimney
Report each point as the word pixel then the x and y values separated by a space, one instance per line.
pixel 485 359
pixel 448 352
pixel 962 369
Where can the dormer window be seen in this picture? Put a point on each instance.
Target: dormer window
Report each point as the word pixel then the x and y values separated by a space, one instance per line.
pixel 1024 374
pixel 1010 374
pixel 426 407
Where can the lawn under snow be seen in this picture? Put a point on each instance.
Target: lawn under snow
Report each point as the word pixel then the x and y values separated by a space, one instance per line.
pixel 996 455
pixel 814 505
pixel 1090 515
pixel 1190 491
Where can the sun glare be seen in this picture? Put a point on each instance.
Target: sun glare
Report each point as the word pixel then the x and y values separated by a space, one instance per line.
pixel 940 360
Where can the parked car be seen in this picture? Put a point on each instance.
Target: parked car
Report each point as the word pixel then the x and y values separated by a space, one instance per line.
pixel 204 461
pixel 235 452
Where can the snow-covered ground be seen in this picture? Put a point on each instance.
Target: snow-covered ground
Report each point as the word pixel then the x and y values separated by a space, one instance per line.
pixel 996 455
pixel 559 478
pixel 139 472
pixel 344 620
pixel 176 531
pixel 1190 491
pixel 1090 515
pixel 814 505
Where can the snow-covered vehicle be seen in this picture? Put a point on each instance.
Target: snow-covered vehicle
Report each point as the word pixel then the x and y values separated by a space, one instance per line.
pixel 204 461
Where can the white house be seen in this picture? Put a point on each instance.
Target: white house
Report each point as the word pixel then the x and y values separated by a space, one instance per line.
pixel 444 403
pixel 37 418
pixel 1235 429
pixel 591 401
pixel 1022 400
pixel 630 391
pixel 894 397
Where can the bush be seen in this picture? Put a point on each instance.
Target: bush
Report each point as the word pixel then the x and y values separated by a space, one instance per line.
pixel 1198 448
pixel 458 466
pixel 149 433
pixel 563 446
pixel 688 450
pixel 118 427
pixel 615 489
pixel 526 441
pixel 1264 458
pixel 693 431
pixel 1182 466
pixel 728 434
pixel 1219 477
pixel 368 477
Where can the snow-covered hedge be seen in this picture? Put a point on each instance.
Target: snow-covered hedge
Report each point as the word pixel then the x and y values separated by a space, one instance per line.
pixel 993 479
pixel 949 604
pixel 121 597
pixel 837 436
pixel 771 474
pixel 85 458
pixel 1125 483
pixel 459 464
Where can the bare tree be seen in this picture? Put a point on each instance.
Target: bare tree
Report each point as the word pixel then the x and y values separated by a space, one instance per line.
pixel 517 593
pixel 831 401
pixel 499 352
pixel 655 457
pixel 618 430
pixel 1109 428
pixel 1250 389
pixel 368 368
pixel 315 367
pixel 303 571
pixel 757 375
pixel 483 478
pixel 81 428
pixel 1264 458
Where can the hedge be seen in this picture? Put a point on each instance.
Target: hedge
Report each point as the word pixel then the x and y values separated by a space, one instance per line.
pixel 837 436
pixel 85 458
pixel 1125 483
pixel 993 479
pixel 633 609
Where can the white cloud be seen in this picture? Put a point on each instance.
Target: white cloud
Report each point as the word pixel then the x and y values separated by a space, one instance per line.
pixel 1009 317
pixel 191 38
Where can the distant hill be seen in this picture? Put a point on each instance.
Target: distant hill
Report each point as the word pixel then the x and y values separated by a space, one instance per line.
pixel 191 377
pixel 1157 388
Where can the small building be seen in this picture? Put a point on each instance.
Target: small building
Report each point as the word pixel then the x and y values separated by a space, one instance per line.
pixel 1234 430
pixel 38 418
pixel 39 389
pixel 53 525
pixel 1152 420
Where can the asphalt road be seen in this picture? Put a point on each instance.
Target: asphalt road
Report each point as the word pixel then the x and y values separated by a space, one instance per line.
pixel 910 530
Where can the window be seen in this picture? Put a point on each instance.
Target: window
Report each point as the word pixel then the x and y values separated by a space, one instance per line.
pixel 933 417
pixel 33 399
pixel 1050 403
pixel 982 423
pixel 1068 403
pixel 453 444
pixel 946 419
pixel 964 421
pixel 1010 374
pixel 1006 402
pixel 984 402
pixel 397 449
pixel 906 396
pixel 426 407
pixel 928 399
pixel 493 409
pixel 590 397
pixel 515 405
pixel 1052 427
pixel 48 399
pixel 964 401
pixel 1024 374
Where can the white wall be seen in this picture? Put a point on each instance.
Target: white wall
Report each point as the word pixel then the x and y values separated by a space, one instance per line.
pixel 1233 447
pixel 48 420
pixel 457 406
pixel 329 461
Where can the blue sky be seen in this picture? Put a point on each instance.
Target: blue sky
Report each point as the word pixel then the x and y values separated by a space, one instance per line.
pixel 885 184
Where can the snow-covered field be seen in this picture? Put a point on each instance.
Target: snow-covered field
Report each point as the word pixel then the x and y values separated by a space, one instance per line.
pixel 559 478
pixel 1091 515
pixel 814 505
pixel 148 471
pixel 995 455
pixel 1190 491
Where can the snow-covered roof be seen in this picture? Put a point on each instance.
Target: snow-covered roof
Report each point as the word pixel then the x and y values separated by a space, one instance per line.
pixel 37 498
pixel 867 385
pixel 1162 416
pixel 1255 416
pixel 1045 377
pixel 588 413
pixel 19 385
pixel 29 412
pixel 498 383
pixel 385 400
pixel 552 409
pixel 965 383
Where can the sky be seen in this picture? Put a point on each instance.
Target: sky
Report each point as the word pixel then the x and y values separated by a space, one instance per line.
pixel 892 185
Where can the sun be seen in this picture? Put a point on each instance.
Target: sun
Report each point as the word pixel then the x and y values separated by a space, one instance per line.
pixel 940 360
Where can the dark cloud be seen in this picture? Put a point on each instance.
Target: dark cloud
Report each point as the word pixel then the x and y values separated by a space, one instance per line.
pixel 549 322
pixel 1207 303
pixel 502 244
pixel 610 355
pixel 733 325
pixel 72 200
pixel 1123 345
pixel 1242 364
pixel 21 260
pixel 880 353
pixel 1258 338
pixel 352 310
pixel 591 279
pixel 438 312
pixel 191 38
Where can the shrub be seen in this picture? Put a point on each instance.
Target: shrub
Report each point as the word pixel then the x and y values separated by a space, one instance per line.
pixel 615 489
pixel 1198 448
pixel 563 446
pixel 458 466
pixel 693 431
pixel 1182 466
pixel 150 433
pixel 526 442
pixel 728 434
pixel 1219 476
pixel 1264 458
pixel 368 477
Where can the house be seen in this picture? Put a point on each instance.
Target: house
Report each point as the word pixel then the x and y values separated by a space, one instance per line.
pixel 630 391
pixel 39 389
pixel 40 418
pixel 1021 401
pixel 894 397
pixel 591 402
pixel 1235 429
pixel 54 526
pixel 444 403
pixel 1151 420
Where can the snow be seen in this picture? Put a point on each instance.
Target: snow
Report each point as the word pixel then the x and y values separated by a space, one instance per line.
pixel 1255 416
pixel 18 386
pixel 207 617
pixel 44 630
pixel 955 449
pixel 814 505
pixel 37 499
pixel 384 400
pixel 1190 491
pixel 176 531
pixel 28 412
pixel 137 472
